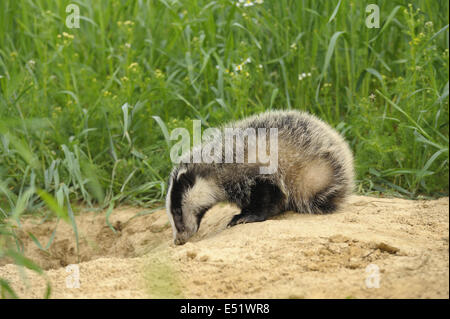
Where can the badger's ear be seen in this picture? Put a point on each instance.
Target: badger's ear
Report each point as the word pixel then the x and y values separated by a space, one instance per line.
pixel 180 171
pixel 186 179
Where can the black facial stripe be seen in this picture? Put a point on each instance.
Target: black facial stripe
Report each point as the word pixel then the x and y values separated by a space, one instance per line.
pixel 179 188
pixel 200 214
pixel 178 219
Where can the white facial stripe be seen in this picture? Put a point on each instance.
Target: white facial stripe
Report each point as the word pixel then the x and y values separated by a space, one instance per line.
pixel 204 193
pixel 168 208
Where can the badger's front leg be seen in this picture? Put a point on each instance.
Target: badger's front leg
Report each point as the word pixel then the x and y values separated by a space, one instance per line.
pixel 266 200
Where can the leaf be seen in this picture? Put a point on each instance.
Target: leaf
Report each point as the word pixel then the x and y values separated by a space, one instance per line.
pixel 52 237
pixel 273 97
pixel 6 291
pixel 388 21
pixel 53 205
pixel 21 260
pixel 335 11
pixel 36 241
pixel 126 122
pixel 377 75
pixel 72 219
pixel 439 32
pixel 108 213
pixel 444 95
pixel 416 125
pixel 286 83
pixel 330 51
pixel 191 106
pixel 24 150
pixel 163 129
pixel 22 202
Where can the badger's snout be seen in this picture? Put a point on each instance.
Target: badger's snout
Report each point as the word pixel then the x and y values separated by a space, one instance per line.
pixel 179 241
pixel 182 238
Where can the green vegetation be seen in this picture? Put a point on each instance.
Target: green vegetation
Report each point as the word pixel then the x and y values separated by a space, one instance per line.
pixel 78 106
pixel 161 280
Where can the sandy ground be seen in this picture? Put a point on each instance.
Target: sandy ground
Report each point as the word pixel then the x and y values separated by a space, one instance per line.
pixel 402 246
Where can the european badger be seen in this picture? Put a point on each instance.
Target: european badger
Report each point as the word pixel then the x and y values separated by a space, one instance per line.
pixel 314 175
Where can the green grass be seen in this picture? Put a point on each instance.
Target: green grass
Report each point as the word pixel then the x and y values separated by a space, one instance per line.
pixel 160 278
pixel 77 106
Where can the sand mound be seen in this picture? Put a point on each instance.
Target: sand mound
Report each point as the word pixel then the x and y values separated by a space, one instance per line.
pixel 402 243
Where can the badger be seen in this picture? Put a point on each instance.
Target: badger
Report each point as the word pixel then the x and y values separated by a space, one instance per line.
pixel 314 174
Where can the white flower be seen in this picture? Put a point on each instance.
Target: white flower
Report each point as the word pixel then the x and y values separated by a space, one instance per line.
pixel 248 3
pixel 303 75
pixel 31 63
pixel 127 45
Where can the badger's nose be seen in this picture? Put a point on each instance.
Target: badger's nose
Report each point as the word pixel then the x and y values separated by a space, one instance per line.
pixel 179 241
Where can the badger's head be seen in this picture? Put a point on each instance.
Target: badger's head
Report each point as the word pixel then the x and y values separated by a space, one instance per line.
pixel 189 195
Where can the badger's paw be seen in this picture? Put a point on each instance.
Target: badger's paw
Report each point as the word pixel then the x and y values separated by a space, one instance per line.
pixel 244 219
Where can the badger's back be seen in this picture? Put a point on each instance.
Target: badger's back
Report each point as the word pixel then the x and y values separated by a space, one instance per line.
pixel 315 164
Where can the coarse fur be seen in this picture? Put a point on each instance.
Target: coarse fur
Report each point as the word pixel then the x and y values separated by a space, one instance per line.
pixel 314 175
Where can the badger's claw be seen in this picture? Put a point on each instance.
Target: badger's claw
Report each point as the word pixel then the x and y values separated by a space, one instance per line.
pixel 237 219
pixel 244 219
